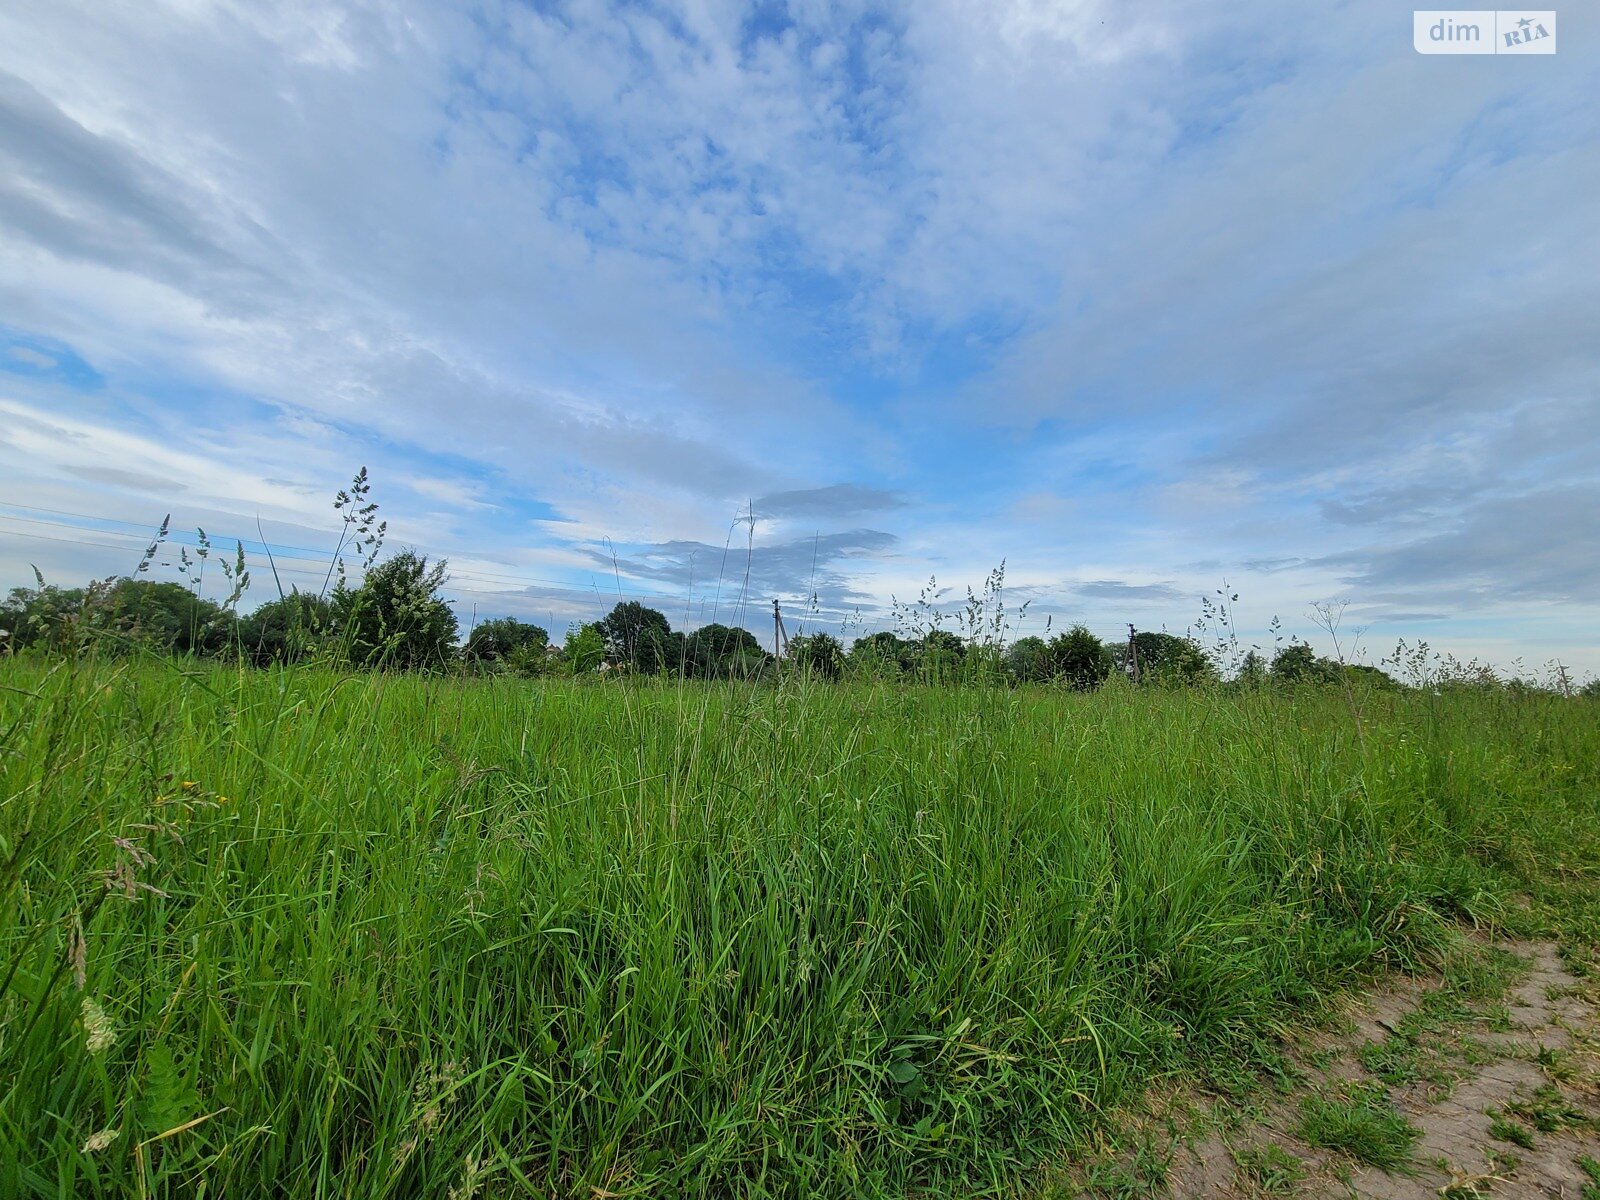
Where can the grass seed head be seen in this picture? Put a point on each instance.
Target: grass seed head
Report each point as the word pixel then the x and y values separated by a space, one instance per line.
pixel 98 1030
pixel 98 1141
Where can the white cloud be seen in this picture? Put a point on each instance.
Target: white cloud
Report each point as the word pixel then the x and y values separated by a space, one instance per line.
pixel 640 265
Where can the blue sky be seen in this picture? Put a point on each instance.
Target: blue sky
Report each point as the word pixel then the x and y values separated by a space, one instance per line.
pixel 1135 298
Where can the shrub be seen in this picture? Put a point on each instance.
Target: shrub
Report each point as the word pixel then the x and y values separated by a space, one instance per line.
pixel 880 655
pixel 585 648
pixel 497 640
pixel 1029 660
pixel 1080 659
pixel 640 637
pixel 396 618
pixel 288 629
pixel 817 654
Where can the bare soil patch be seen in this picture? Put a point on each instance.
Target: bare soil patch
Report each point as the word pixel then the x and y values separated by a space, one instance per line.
pixel 1477 1082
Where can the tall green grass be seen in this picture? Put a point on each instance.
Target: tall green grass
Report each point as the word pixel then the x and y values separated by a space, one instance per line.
pixel 399 936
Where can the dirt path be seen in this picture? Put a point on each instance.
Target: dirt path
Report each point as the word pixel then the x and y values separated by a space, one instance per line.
pixel 1483 1081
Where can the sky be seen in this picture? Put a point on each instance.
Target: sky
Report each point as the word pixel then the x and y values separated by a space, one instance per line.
pixel 707 304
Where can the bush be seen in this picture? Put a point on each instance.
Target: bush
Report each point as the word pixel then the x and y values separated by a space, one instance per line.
pixel 1166 659
pixel 817 654
pixel 500 639
pixel 585 648
pixel 1080 660
pixel 288 629
pixel 881 655
pixel 1029 660
pixel 396 618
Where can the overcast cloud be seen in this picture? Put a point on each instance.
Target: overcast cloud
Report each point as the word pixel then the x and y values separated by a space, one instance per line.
pixel 1135 298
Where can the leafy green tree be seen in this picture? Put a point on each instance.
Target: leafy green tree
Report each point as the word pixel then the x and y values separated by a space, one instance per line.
pixel 940 655
pixel 1298 663
pixel 116 613
pixel 396 617
pixel 818 654
pixel 881 654
pixel 637 636
pixel 1029 660
pixel 288 629
pixel 722 652
pixel 158 616
pixel 497 640
pixel 1252 670
pixel 585 648
pixel 1165 658
pixel 1370 675
pixel 45 616
pixel 658 651
pixel 1079 659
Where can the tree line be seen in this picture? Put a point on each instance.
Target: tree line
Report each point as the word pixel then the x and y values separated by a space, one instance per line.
pixel 396 619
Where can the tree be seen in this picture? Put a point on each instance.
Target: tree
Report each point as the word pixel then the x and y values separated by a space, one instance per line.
pixel 722 652
pixel 158 616
pixel 1372 676
pixel 658 651
pixel 44 616
pixel 1252 670
pixel 1029 661
pixel 1080 659
pixel 818 654
pixel 940 654
pixel 1298 663
pixel 396 617
pixel 1169 659
pixel 118 612
pixel 880 654
pixel 637 636
pixel 500 639
pixel 287 629
pixel 585 648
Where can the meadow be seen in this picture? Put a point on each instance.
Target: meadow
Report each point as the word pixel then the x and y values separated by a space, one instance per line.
pixel 297 932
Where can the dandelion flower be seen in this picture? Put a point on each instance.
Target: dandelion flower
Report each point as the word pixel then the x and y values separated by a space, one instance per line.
pixel 98 1031
pixel 189 785
pixel 99 1141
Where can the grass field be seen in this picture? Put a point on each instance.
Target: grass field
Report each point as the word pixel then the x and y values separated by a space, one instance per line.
pixel 297 934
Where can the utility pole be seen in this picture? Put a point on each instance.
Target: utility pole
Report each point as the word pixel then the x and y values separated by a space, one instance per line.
pixel 780 636
pixel 1133 654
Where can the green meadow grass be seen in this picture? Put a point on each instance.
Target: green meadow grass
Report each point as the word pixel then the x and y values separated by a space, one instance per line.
pixel 293 933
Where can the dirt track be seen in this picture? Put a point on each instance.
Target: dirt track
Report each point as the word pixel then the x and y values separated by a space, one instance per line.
pixel 1500 1087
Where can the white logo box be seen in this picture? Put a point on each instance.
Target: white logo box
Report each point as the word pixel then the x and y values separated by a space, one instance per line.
pixel 1484 31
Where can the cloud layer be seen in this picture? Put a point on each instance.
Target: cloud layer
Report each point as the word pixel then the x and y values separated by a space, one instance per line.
pixel 1134 300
